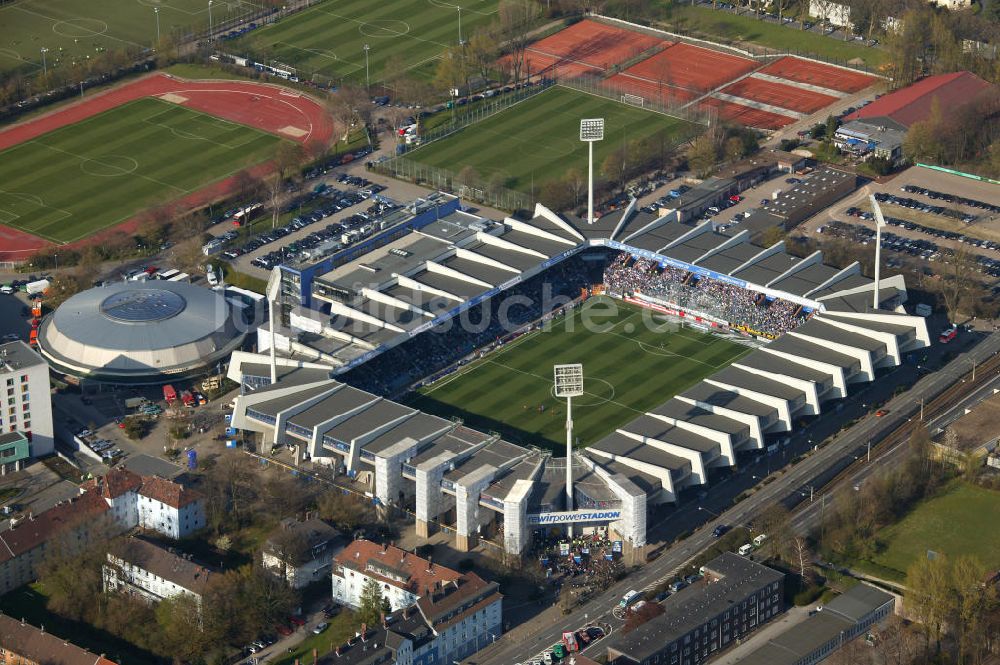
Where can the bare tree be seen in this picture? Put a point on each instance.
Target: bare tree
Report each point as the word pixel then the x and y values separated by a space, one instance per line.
pixel 802 559
pixel 287 158
pixel 515 19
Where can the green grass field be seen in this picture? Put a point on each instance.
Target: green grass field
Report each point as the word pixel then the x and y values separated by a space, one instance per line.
pixel 961 520
pixel 72 30
pixel 539 139
pixel 629 367
pixel 329 38
pixel 740 28
pixel 76 180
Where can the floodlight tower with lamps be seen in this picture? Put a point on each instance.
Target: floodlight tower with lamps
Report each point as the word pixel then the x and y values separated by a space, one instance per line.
pixel 156 11
pixel 459 8
pixel 568 384
pixel 879 223
pixel 210 30
pixel 45 69
pixel 273 290
pixel 368 84
pixel 591 129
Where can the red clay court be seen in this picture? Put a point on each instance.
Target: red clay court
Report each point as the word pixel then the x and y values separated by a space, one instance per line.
pixel 692 67
pixel 587 47
pixel 819 74
pixel 747 115
pixel 666 94
pixel 780 95
pixel 270 108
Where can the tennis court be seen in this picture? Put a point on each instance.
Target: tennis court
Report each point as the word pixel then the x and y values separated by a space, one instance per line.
pixel 691 68
pixel 778 94
pixel 747 115
pixel 819 74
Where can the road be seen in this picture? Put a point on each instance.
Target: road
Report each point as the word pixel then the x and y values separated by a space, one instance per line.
pixel 815 469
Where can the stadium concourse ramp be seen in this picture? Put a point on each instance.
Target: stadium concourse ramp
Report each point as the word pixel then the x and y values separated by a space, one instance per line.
pixel 474 482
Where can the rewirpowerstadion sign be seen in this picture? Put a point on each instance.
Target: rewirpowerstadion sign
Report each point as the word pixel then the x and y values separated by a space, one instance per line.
pixel 575 516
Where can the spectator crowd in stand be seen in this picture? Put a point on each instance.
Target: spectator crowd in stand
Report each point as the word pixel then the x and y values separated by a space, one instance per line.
pixel 743 309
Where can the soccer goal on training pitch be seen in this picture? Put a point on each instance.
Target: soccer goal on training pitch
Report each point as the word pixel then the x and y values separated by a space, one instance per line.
pixel 634 100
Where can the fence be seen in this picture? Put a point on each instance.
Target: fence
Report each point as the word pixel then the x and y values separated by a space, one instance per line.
pixel 601 87
pixel 495 196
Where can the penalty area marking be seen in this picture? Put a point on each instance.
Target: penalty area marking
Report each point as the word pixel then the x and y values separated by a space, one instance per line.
pixel 77 27
pixel 384 28
pixel 173 98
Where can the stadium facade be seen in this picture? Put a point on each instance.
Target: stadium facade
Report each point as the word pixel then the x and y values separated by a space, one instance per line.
pixel 477 483
pixel 139 332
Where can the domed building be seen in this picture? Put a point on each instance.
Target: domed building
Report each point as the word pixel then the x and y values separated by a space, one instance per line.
pixel 139 332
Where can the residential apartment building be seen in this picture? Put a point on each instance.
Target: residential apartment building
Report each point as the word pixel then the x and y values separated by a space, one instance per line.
pixel 106 507
pixel 24 644
pixel 403 576
pixel 152 572
pixel 735 596
pixel 301 551
pixel 27 402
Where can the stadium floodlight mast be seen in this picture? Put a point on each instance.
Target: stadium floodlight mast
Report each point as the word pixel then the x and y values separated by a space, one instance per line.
pixel 879 223
pixel 156 11
pixel 368 85
pixel 569 384
pixel 273 290
pixel 459 8
pixel 210 30
pixel 591 129
pixel 45 69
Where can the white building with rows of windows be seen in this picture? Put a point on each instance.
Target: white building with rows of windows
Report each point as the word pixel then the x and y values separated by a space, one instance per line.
pixel 27 405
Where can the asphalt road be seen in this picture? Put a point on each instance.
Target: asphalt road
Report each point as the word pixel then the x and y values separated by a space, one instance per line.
pixel 813 470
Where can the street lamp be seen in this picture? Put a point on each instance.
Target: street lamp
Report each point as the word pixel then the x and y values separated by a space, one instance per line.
pixel 591 130
pixel 45 70
pixel 459 8
pixel 367 82
pixel 156 11
pixel 568 380
pixel 210 27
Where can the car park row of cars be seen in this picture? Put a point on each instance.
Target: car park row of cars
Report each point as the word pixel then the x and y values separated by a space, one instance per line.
pixel 103 447
pixel 937 233
pixel 951 198
pixel 665 201
pixel 913 204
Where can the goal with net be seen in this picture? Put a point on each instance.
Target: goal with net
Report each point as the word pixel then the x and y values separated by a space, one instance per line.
pixel 634 100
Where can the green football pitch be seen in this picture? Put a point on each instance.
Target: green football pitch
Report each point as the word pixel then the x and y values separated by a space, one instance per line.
pixel 73 181
pixel 329 39
pixel 72 30
pixel 633 360
pixel 539 139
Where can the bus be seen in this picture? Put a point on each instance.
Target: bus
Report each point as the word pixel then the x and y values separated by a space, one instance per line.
pixel 629 598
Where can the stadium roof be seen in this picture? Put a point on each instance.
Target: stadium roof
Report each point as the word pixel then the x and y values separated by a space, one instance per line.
pixel 140 332
pixel 913 103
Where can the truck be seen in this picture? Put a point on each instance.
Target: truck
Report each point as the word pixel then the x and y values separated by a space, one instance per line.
pixel 188 399
pixel 36 287
pixel 213 279
pixel 169 394
pixel 36 309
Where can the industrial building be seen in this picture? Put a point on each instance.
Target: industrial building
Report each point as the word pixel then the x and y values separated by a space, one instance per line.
pixel 140 332
pixel 841 620
pixel 734 598
pixel 477 484
pixel 789 207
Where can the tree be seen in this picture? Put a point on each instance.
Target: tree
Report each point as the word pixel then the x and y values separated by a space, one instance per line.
pixel 468 176
pixel 179 620
pixel 703 155
pixel 483 51
pixel 957 281
pixel 515 20
pixel 774 522
pixel 452 70
pixel 929 596
pixel 344 510
pixel 802 559
pixel 287 158
pixel 370 603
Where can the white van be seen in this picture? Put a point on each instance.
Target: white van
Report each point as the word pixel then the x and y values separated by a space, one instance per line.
pixel 759 540
pixel 745 549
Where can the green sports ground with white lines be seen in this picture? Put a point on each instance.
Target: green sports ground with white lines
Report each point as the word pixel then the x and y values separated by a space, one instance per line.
pixel 633 361
pixel 328 39
pixel 73 181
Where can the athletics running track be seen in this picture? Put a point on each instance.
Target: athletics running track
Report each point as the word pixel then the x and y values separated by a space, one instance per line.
pixel 270 108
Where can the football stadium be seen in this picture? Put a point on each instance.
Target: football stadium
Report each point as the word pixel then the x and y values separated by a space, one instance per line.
pixel 421 365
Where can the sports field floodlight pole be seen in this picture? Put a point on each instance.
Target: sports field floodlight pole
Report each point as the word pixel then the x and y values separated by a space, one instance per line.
pixel 45 69
pixel 156 10
pixel 569 384
pixel 879 223
pixel 210 20
pixel 367 83
pixel 459 8
pixel 591 129
pixel 273 290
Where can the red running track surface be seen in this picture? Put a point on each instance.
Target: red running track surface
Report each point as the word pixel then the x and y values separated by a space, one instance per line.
pixel 819 74
pixel 779 94
pixel 747 115
pixel 692 67
pixel 266 107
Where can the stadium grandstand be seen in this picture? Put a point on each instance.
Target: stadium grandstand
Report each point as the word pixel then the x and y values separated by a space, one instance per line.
pixel 359 331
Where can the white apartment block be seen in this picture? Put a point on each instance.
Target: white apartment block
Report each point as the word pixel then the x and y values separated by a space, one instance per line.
pixel 27 401
pixel 153 573
pixel 151 502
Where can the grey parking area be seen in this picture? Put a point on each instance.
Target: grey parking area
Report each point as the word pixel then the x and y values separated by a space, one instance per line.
pixel 147 465
pixel 14 317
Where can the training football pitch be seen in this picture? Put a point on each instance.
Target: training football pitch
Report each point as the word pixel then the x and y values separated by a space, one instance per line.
pixel 538 140
pixel 633 360
pixel 329 38
pixel 73 181
pixel 72 30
